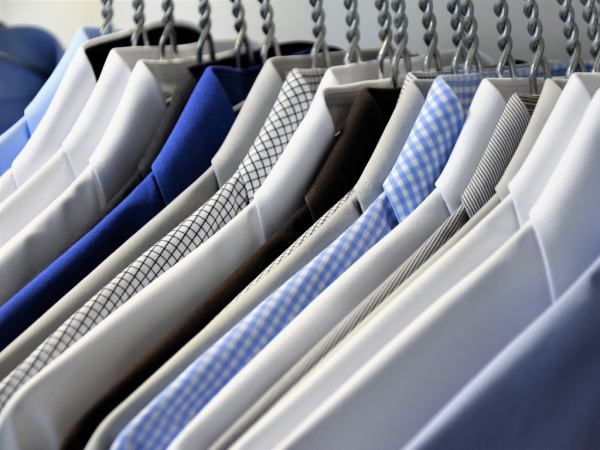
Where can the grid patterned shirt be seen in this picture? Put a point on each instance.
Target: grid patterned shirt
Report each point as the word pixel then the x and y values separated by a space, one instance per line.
pixel 288 111
pixel 411 180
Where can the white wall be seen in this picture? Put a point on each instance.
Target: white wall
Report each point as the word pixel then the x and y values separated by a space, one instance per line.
pixel 292 18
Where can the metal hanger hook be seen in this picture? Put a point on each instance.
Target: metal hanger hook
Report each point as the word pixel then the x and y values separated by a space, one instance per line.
pixel 385 31
pixel 107 15
pixel 239 14
pixel 590 15
pixel 471 38
pixel 432 56
pixel 139 19
pixel 505 43
pixel 571 32
pixel 205 25
pixel 536 44
pixel 353 33
pixel 400 38
pixel 268 27
pixel 319 30
pixel 168 35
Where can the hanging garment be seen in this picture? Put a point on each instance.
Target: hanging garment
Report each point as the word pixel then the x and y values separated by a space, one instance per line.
pixel 498 300
pixel 288 111
pixel 355 142
pixel 40 65
pixel 111 174
pixel 249 120
pixel 73 155
pixel 213 422
pixel 28 57
pixel 230 353
pixel 68 101
pixel 540 390
pixel 332 374
pixel 198 134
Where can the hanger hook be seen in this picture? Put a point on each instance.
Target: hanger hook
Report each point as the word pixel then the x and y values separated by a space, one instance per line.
pixel 470 36
pixel 400 38
pixel 168 35
pixel 353 33
pixel 590 15
pixel 107 14
pixel 268 27
pixel 319 30
pixel 139 19
pixel 505 43
pixel 385 30
pixel 571 32
pixel 205 38
pixel 458 36
pixel 239 14
pixel 536 44
pixel 430 37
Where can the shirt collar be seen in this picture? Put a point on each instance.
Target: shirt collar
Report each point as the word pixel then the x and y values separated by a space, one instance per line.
pixel 566 217
pixel 352 149
pixel 430 142
pixel 201 128
pixel 39 104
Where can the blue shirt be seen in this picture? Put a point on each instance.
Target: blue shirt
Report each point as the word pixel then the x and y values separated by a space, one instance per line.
pixel 28 118
pixel 413 177
pixel 198 134
pixel 541 391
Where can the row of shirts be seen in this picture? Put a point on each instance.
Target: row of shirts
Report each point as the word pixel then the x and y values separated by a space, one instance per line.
pixel 340 255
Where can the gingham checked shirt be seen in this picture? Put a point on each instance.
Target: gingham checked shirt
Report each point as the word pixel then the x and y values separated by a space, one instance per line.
pixel 411 180
pixel 288 111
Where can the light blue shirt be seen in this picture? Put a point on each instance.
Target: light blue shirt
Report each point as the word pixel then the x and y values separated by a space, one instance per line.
pixel 14 139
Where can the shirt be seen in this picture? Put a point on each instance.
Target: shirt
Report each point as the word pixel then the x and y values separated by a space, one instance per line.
pixel 440 120
pixel 503 143
pixel 31 55
pixel 185 156
pixel 74 153
pixel 287 113
pixel 240 138
pixel 26 87
pixel 498 300
pixel 68 101
pixel 354 145
pixel 111 174
pixel 332 372
pixel 540 390
pixel 317 238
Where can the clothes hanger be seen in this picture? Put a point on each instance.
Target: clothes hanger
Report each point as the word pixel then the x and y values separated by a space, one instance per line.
pixel 168 36
pixel 205 25
pixel 239 13
pixel 319 30
pixel 353 53
pixel 400 38
pixel 139 18
pixel 505 43
pixel 590 15
pixel 268 28
pixel 107 14
pixel 384 20
pixel 431 37
pixel 571 32
pixel 536 44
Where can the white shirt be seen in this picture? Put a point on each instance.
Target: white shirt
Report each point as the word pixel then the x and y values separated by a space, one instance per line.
pixel 423 367
pixel 147 318
pixel 66 105
pixel 119 162
pixel 250 119
pixel 74 154
pixel 359 280
pixel 393 138
pixel 484 239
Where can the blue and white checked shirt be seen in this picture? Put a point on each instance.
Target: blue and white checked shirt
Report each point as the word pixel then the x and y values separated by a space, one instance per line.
pixel 413 178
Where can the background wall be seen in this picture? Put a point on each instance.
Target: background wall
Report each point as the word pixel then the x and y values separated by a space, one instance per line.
pixel 292 19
